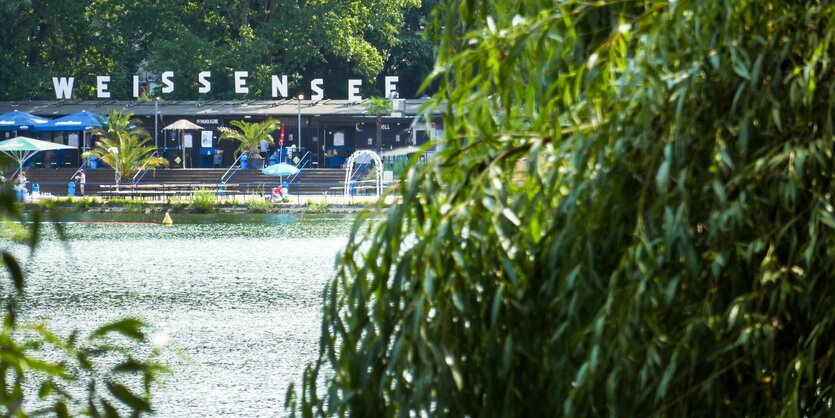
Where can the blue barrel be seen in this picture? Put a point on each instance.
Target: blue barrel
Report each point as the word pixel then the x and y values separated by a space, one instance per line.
pixel 71 189
pixel 94 162
pixel 352 188
pixel 36 188
pixel 244 161
pixel 285 188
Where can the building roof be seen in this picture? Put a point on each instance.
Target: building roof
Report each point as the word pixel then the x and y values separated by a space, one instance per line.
pixel 275 108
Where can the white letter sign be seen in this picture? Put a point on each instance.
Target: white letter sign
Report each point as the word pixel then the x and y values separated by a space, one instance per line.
pixel 205 85
pixel 135 86
pixel 280 86
pixel 316 87
pixel 63 87
pixel 169 84
pixel 354 90
pixel 391 87
pixel 240 82
pixel 101 86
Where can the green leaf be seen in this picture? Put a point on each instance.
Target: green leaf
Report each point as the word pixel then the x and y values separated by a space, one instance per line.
pixel 128 398
pixel 129 327
pixel 14 270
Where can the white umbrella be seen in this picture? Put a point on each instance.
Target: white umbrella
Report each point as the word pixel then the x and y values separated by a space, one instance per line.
pixel 21 148
pixel 182 125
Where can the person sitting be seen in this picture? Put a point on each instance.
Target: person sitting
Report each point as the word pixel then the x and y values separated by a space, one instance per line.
pixel 21 180
pixel 278 195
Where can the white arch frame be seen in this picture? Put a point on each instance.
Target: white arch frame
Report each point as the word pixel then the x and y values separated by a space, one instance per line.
pixel 378 167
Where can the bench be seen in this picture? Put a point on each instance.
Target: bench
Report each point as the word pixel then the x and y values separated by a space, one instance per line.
pixel 161 191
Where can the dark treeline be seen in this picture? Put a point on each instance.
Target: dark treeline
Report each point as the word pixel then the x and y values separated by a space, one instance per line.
pixel 303 39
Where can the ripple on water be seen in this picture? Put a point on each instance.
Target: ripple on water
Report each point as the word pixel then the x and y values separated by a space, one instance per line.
pixel 242 298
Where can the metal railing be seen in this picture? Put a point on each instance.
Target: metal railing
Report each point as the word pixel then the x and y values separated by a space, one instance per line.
pixel 232 170
pixel 85 164
pixel 143 170
pixel 305 159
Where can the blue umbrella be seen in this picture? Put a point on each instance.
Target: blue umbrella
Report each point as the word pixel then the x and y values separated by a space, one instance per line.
pixel 20 121
pixel 280 170
pixel 79 121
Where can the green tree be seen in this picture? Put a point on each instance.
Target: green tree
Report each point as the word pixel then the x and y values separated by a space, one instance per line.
pixel 631 216
pixel 341 39
pixel 124 146
pixel 378 106
pixel 250 134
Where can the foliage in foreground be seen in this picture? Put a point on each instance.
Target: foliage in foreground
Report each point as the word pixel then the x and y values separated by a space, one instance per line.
pixel 108 373
pixel 631 216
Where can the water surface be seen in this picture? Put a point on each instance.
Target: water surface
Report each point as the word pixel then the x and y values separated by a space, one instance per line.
pixel 240 294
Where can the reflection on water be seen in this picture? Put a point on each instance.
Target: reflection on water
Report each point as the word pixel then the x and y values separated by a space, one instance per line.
pixel 240 294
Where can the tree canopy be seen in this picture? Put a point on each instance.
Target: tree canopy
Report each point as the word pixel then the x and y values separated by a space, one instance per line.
pixel 330 39
pixel 631 216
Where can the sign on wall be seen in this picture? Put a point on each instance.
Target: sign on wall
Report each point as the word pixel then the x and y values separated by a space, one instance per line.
pixel 206 139
pixel 187 142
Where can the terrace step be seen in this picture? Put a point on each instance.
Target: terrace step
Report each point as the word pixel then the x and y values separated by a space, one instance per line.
pixel 309 181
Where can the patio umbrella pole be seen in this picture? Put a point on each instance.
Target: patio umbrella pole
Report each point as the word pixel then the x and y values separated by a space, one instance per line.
pixel 183 147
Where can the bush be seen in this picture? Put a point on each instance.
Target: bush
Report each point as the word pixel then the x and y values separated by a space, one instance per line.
pixel 632 216
pixel 258 205
pixel 317 207
pixel 130 205
pixel 204 201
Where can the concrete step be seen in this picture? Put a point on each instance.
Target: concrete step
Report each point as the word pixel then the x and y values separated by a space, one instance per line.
pixel 309 181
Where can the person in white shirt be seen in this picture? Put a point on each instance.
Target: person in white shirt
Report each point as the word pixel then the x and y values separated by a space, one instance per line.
pixel 82 180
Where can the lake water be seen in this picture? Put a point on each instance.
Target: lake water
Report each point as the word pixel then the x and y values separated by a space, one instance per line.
pixel 241 295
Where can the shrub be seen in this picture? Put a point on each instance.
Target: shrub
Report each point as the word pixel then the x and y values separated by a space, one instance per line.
pixel 258 205
pixel 317 207
pixel 204 201
pixel 632 216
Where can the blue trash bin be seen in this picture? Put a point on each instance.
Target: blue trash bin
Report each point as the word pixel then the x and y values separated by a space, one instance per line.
pixel 273 160
pixel 352 188
pixel 94 162
pixel 36 188
pixel 244 161
pixel 71 189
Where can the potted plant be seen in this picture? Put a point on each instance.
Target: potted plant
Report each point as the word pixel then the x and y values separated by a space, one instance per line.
pixel 250 135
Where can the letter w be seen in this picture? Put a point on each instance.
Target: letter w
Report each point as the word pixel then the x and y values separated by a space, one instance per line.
pixel 63 87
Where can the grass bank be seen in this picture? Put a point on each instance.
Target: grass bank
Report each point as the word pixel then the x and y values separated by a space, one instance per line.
pixel 206 203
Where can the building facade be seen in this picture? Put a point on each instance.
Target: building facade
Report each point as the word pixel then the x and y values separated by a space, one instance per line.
pixel 330 129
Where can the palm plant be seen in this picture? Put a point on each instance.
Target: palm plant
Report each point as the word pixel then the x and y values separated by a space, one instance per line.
pixel 250 134
pixel 378 106
pixel 122 145
pixel 120 122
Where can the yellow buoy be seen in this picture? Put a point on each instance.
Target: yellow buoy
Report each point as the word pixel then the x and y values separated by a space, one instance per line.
pixel 167 220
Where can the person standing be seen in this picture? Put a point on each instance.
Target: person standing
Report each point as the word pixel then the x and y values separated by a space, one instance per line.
pixel 82 180
pixel 265 147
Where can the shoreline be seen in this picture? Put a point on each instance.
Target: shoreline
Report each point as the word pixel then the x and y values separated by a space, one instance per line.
pixel 248 204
